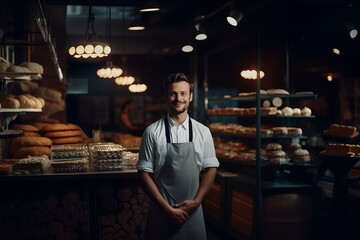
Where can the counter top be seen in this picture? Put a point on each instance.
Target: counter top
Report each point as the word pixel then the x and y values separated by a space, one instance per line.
pixel 90 175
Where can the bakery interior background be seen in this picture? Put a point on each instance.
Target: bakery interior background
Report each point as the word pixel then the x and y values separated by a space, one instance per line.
pixel 294 39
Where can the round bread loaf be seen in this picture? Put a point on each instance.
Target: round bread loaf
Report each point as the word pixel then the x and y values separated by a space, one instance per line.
pixel 25 102
pixel 67 140
pixel 59 134
pixel 306 111
pixel 59 127
pixel 33 67
pixel 3 66
pixel 277 102
pixel 17 69
pixel 277 91
pixel 25 127
pixel 9 102
pixel 296 111
pixel 273 147
pixel 280 130
pixel 31 141
pixel 278 153
pixel 287 111
pixel 266 104
pixel 31 134
pixel 32 151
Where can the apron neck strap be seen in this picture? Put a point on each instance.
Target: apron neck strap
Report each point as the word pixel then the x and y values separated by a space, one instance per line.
pixel 167 130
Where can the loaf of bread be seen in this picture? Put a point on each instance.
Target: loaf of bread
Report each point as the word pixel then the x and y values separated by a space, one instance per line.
pixel 17 69
pixel 33 67
pixel 277 91
pixel 8 101
pixel 23 152
pixel 338 149
pixel 344 131
pixel 31 141
pixel 3 66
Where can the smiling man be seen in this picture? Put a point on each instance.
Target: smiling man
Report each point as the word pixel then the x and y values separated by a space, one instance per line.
pixel 174 151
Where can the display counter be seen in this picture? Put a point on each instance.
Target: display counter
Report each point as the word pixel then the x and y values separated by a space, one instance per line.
pixel 89 205
pixel 289 208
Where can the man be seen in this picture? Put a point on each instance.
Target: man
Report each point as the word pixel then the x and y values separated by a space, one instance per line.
pixel 174 150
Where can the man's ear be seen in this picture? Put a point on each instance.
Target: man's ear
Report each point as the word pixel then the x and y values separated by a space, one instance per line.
pixel 191 96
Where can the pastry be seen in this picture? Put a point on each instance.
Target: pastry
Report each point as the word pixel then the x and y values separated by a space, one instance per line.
pixel 266 104
pixel 294 131
pixel 280 130
pixel 296 111
pixel 345 131
pixel 31 141
pixel 287 111
pixel 3 66
pixel 33 67
pixel 9 102
pixel 273 147
pixel 306 111
pixel 277 91
pixel 23 152
pixel 277 102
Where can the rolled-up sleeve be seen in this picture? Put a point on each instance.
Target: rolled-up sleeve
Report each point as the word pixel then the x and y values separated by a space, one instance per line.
pixel 209 157
pixel 146 153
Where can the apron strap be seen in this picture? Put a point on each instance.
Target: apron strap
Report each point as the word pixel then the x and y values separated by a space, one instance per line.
pixel 167 131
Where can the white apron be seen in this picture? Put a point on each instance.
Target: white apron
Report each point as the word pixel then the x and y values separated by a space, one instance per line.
pixel 177 181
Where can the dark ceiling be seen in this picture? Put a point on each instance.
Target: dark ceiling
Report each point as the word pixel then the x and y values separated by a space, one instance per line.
pixel 309 29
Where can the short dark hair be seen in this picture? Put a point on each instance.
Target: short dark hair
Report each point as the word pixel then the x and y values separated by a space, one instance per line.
pixel 177 77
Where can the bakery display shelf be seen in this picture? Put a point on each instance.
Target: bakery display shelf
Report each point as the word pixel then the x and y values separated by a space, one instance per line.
pixel 20 76
pixel 254 137
pixel 11 133
pixel 252 97
pixel 19 110
pixel 262 115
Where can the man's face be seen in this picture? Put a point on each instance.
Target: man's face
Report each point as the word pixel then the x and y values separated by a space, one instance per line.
pixel 179 97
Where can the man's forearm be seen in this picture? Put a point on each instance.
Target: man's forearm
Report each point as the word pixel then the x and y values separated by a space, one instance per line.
pixel 151 190
pixel 207 180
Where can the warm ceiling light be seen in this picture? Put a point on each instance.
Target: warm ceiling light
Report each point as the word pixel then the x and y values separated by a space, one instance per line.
pixel 353 33
pixel 124 80
pixel 137 88
pixel 109 71
pixel 90 48
pixel 150 6
pixel 136 25
pixel 187 47
pixel 234 17
pixel 329 78
pixel 336 51
pixel 251 74
pixel 200 32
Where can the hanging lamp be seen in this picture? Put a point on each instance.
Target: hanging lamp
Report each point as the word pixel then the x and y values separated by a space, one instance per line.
pixel 91 48
pixel 125 79
pixel 109 71
pixel 137 88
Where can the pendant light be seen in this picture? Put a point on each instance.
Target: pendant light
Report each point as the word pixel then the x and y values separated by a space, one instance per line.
pixel 150 6
pixel 137 88
pixel 124 79
pixel 91 48
pixel 109 71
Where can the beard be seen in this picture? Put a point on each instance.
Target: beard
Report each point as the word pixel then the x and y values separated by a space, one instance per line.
pixel 177 109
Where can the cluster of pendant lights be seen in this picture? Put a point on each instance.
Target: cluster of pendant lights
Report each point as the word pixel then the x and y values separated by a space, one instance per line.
pixel 92 49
